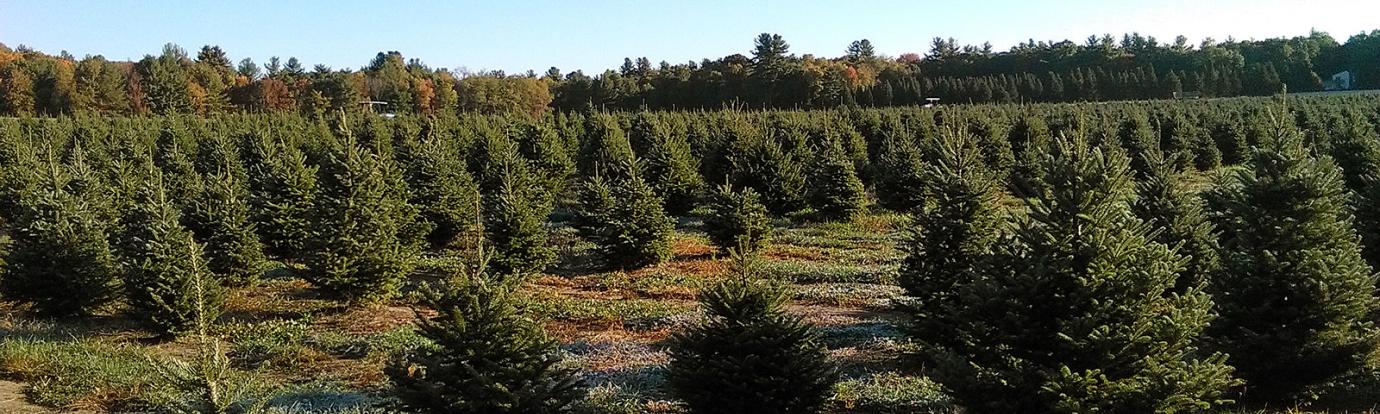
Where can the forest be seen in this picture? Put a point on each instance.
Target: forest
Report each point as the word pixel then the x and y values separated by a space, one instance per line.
pixel 1167 256
pixel 1100 68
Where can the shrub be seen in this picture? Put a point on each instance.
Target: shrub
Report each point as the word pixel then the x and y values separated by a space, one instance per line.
pixel 749 355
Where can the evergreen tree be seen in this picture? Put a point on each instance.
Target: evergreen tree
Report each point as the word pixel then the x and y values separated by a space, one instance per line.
pixel 1163 202
pixel 836 193
pixel 488 356
pixel 1356 149
pixel 605 147
pixel 365 236
pixel 442 188
pixel 1296 299
pixel 515 211
pixel 161 263
pixel 954 232
pixel 543 148
pixel 749 355
pixel 1030 139
pixel 624 218
pixel 1072 314
pixel 59 259
pixel 670 166
pixel 219 217
pixel 900 167
pixel 775 173
pixel 282 189
pixel 737 219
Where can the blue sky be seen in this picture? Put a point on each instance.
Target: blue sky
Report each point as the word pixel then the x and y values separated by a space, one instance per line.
pixel 594 35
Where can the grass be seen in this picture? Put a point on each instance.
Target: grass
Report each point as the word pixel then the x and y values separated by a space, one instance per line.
pixel 314 355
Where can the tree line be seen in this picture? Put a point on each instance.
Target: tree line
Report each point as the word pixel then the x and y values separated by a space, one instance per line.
pixel 1113 286
pixel 1101 68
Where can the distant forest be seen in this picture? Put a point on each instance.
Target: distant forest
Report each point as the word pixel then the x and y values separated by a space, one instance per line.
pixel 1101 68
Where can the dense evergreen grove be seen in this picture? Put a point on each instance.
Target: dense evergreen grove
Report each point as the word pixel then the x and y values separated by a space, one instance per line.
pixel 1135 256
pixel 1098 68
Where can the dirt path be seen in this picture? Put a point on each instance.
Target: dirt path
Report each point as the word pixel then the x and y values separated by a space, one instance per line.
pixel 12 400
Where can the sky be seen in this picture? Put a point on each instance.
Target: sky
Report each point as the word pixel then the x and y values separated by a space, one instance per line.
pixel 594 35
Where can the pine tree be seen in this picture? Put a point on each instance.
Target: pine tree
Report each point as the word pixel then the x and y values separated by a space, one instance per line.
pixel 737 219
pixel 59 259
pixel 749 355
pixel 836 193
pixel 488 356
pixel 1072 314
pixel 955 231
pixel 282 189
pixel 160 262
pixel 1163 202
pixel 365 236
pixel 514 215
pixel 1296 300
pixel 219 217
pixel 623 217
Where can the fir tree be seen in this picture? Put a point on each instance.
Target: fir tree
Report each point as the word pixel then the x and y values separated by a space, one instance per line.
pixel 737 219
pixel 1296 299
pixel 670 167
pixel 955 231
pixel 1163 202
pixel 771 170
pixel 1072 313
pixel 623 217
pixel 836 193
pixel 59 259
pixel 161 263
pixel 365 235
pixel 749 355
pixel 1356 149
pixel 543 148
pixel 219 217
pixel 515 211
pixel 282 189
pixel 605 147
pixel 1030 140
pixel 442 188
pixel 488 356
pixel 898 177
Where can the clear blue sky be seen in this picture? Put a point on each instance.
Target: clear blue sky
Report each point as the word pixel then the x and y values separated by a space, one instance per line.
pixel 594 35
